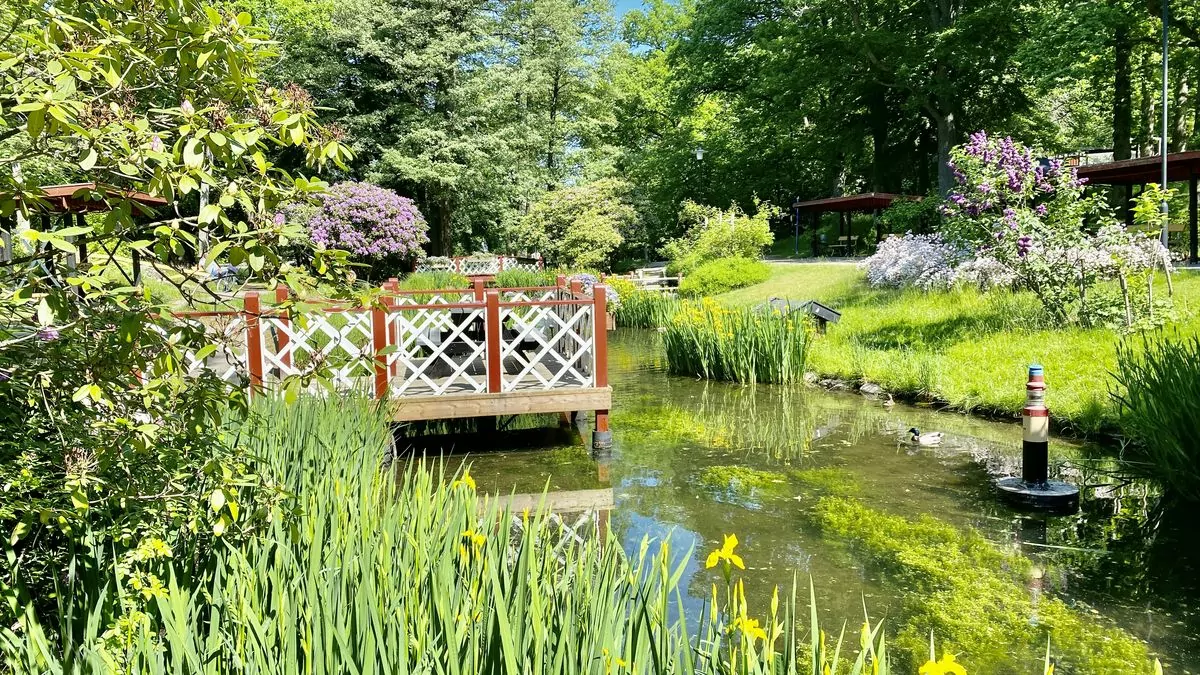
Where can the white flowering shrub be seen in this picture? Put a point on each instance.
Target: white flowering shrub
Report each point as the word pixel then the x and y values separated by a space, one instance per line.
pixel 921 260
pixel 985 272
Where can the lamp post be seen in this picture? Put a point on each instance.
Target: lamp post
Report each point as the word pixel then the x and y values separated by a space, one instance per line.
pixel 699 152
pixel 1164 207
pixel 796 221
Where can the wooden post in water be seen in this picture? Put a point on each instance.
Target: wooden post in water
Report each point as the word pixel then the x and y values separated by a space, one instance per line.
pixel 491 329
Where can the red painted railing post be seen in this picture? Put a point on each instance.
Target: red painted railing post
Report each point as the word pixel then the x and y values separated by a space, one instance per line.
pixel 599 333
pixel 254 350
pixel 500 260
pixel 478 285
pixel 601 434
pixel 576 288
pixel 285 323
pixel 541 263
pixel 492 329
pixel 379 342
pixel 393 286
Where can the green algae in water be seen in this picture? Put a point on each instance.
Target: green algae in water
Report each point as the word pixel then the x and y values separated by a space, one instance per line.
pixel 740 483
pixel 978 601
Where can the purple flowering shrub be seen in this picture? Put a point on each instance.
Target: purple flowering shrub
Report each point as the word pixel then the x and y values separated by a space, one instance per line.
pixel 369 221
pixel 1030 222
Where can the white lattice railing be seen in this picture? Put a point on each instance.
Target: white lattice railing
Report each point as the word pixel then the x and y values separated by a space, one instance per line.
pixel 480 266
pixel 417 343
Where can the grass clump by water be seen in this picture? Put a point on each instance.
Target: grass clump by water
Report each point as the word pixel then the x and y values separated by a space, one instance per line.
pixel 983 604
pixel 433 281
pixel 522 278
pixel 967 348
pixel 1157 389
pixel 708 340
pixel 645 309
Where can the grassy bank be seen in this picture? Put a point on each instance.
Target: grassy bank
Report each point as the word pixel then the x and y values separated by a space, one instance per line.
pixel 967 348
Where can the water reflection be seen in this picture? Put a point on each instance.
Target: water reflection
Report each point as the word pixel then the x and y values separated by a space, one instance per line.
pixel 694 460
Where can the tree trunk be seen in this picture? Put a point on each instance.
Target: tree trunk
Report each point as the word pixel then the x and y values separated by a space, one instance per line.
pixel 883 162
pixel 1122 120
pixel 1122 93
pixel 1145 133
pixel 552 134
pixel 1179 109
pixel 946 138
pixel 442 237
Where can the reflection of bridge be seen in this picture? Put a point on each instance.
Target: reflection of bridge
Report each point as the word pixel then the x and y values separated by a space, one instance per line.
pixel 580 514
pixel 438 354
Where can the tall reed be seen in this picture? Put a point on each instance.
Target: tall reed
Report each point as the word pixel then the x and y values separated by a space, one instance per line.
pixel 1157 392
pixel 353 572
pixel 709 340
pixel 645 309
pixel 522 278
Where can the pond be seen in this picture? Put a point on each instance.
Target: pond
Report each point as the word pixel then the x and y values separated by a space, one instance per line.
pixel 695 460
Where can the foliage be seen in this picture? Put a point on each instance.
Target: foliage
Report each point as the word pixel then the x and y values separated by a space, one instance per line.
pixel 723 275
pixel 518 278
pixel 976 598
pixel 113 442
pixel 428 575
pixel 914 216
pixel 713 234
pixel 1155 387
pixel 579 226
pixel 1031 219
pixel 706 339
pixel 434 281
pixel 370 222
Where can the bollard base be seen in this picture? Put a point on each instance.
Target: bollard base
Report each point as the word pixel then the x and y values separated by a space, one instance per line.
pixel 1053 495
pixel 602 442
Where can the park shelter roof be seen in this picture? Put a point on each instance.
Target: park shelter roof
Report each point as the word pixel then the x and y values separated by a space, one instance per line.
pixel 868 201
pixel 1181 166
pixel 85 197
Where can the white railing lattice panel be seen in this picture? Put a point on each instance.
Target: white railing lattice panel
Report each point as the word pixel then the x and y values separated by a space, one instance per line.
pixel 562 346
pixel 435 352
pixel 338 342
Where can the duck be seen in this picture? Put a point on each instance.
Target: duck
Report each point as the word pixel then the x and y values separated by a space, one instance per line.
pixel 929 439
pixel 890 402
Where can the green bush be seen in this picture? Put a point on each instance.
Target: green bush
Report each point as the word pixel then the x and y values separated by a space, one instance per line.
pixel 725 274
pixel 708 340
pixel 579 226
pixel 1157 393
pixel 433 281
pixel 713 233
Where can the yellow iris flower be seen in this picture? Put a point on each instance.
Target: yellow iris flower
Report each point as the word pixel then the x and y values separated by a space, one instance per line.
pixel 947 666
pixel 726 553
pixel 464 480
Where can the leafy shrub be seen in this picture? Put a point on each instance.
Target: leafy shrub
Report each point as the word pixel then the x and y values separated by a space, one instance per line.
pixel 916 216
pixel 708 340
pixel 371 222
pixel 724 274
pixel 1157 392
pixel 646 309
pixel 579 226
pixel 713 234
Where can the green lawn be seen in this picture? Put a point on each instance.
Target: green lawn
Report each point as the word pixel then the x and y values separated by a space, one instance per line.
pixel 967 348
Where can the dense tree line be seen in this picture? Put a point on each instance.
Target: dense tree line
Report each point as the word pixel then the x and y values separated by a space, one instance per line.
pixel 482 109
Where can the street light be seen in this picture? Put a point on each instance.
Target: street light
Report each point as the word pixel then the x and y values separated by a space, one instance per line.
pixel 699 153
pixel 1162 145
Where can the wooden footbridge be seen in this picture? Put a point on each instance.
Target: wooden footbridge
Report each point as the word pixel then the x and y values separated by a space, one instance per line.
pixel 437 354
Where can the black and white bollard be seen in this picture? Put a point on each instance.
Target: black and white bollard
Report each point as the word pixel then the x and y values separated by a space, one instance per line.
pixel 1034 489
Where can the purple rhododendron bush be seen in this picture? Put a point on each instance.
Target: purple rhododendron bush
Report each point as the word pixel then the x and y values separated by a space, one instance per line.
pixel 373 223
pixel 1015 222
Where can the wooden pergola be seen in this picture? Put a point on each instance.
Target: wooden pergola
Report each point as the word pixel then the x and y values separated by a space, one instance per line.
pixel 867 202
pixel 72 203
pixel 1181 166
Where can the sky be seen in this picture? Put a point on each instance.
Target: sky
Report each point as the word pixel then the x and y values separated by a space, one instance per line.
pixel 623 6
